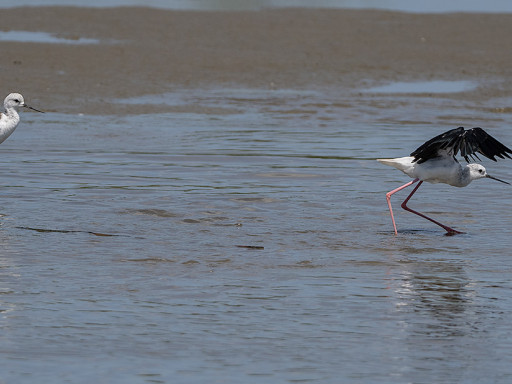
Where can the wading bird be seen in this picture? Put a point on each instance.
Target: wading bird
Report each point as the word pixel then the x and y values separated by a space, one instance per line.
pixel 9 119
pixel 435 162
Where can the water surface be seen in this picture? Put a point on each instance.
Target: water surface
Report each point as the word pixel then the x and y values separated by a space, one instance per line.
pixel 248 241
pixel 42 37
pixel 434 86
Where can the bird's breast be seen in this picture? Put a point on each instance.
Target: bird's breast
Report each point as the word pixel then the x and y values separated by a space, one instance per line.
pixel 439 171
pixel 7 125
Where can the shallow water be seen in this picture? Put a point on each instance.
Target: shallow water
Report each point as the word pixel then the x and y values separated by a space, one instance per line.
pixel 436 86
pixel 42 37
pixel 246 239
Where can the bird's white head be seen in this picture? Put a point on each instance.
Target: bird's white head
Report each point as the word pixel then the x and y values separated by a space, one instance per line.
pixel 14 100
pixel 477 171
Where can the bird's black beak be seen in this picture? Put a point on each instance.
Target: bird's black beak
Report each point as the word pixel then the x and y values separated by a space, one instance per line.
pixel 29 107
pixel 494 178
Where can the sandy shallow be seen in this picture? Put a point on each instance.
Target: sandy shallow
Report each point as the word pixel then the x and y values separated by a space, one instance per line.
pixel 149 51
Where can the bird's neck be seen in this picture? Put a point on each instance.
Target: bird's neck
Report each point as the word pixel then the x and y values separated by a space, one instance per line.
pixel 464 176
pixel 11 112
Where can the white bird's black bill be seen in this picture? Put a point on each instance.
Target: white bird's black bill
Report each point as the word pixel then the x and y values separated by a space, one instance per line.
pixel 29 107
pixel 494 178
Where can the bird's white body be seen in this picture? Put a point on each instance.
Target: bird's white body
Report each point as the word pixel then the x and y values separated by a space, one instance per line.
pixel 10 119
pixel 443 169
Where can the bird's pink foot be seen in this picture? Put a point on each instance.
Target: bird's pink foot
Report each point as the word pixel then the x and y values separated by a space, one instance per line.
pixel 451 232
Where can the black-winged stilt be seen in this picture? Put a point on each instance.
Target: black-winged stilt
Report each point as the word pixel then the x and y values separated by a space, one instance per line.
pixel 435 162
pixel 9 119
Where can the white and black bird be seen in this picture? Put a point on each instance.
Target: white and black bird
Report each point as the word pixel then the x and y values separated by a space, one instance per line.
pixel 435 162
pixel 10 119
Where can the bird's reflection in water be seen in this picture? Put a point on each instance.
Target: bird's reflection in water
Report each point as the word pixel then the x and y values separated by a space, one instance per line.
pixel 442 291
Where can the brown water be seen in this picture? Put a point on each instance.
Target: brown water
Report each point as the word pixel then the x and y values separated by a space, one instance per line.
pixel 250 242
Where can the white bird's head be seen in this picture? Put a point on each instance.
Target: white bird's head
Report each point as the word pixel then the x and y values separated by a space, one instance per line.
pixel 15 100
pixel 477 171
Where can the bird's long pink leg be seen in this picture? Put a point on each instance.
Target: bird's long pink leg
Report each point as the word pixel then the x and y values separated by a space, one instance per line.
pixel 449 231
pixel 388 198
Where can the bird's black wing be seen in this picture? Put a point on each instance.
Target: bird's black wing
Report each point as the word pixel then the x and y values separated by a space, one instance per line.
pixel 477 140
pixel 431 148
pixel 468 142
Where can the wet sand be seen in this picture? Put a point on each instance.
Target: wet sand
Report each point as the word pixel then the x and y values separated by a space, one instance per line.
pixel 149 51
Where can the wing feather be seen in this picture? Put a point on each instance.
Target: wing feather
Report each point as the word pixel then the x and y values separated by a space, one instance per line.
pixel 430 149
pixel 467 142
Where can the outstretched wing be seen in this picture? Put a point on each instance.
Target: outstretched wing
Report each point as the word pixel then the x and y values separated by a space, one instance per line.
pixel 468 142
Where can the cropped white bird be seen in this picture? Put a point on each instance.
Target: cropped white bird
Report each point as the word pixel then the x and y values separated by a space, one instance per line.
pixel 435 162
pixel 9 119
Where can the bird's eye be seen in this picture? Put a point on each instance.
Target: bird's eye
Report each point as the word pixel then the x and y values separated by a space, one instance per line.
pixel 16 100
pixel 481 171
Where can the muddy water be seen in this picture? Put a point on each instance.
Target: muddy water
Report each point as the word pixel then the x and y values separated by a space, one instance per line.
pixel 246 239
